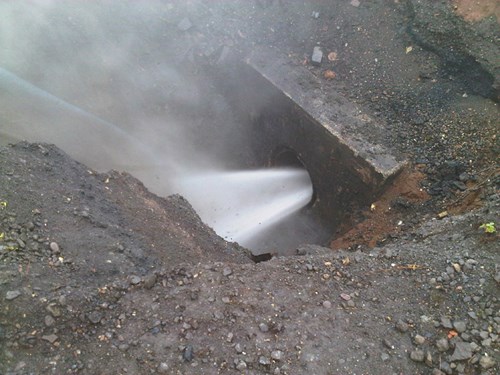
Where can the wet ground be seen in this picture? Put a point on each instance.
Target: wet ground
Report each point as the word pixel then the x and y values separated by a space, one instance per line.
pixel 98 275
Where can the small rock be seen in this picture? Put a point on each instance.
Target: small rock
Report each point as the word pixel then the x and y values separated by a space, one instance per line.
pixel 497 277
pixel 417 355
pixel 460 326
pixel 227 271
pixel 163 368
pixel 264 361
pixel 437 372
pixel 355 3
pixel 55 247
pixel 385 357
pixel 472 314
pixel 124 347
pixel 446 322
pixel 457 267
pixel 317 56
pixel 263 327
pixel 442 345
pixel 50 338
pixel 134 280
pixel 49 321
pixel 12 294
pixel 419 340
pixel 188 353
pixel 428 358
pixel 54 310
pixel 95 317
pixel 150 281
pixel 402 326
pixel 345 296
pixel 486 362
pixel 388 344
pixel 446 368
pixel 462 351
pixel 241 366
pixel 327 304
pixel 238 348
pixel 277 355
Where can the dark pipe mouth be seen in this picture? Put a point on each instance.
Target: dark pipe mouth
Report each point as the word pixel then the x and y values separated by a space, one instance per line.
pixel 284 156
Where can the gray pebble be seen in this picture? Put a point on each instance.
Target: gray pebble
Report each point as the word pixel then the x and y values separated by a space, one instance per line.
pixel 95 317
pixel 12 294
pixel 238 348
pixel 50 338
pixel 437 372
pixel 442 345
pixel 227 271
pixel 163 368
pixel 402 326
pixel 486 362
pixel 327 304
pixel 150 281
pixel 188 353
pixel 49 321
pixel 460 326
pixel 134 280
pixel 462 351
pixel 417 355
pixel 55 247
pixel 419 340
pixel 241 366
pixel 472 315
pixel 385 357
pixel 317 56
pixel 446 322
pixel 277 355
pixel 264 361
pixel 428 358
pixel 263 327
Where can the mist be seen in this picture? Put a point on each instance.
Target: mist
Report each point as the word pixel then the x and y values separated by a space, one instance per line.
pixel 109 84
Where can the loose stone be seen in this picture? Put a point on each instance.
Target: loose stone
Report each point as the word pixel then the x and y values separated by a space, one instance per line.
pixel 462 351
pixel 55 247
pixel 241 366
pixel 12 294
pixel 264 361
pixel 417 355
pixel 486 362
pixel 277 355
pixel 402 326
pixel 419 340
pixel 460 326
pixel 263 327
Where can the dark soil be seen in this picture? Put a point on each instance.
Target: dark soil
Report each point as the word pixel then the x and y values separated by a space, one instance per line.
pixel 100 276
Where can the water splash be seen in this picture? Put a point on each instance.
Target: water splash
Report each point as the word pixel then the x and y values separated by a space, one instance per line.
pixel 29 112
pixel 240 205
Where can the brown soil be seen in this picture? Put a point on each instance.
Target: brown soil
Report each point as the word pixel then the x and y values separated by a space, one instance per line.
pixel 474 10
pixel 385 218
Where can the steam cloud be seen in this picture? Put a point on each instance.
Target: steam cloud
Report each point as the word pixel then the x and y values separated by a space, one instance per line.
pixel 105 82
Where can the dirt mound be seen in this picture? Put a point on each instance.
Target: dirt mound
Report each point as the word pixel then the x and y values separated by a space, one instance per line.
pixel 100 276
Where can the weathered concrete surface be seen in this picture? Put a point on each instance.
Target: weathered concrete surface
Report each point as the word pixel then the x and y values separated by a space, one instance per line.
pixel 347 171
